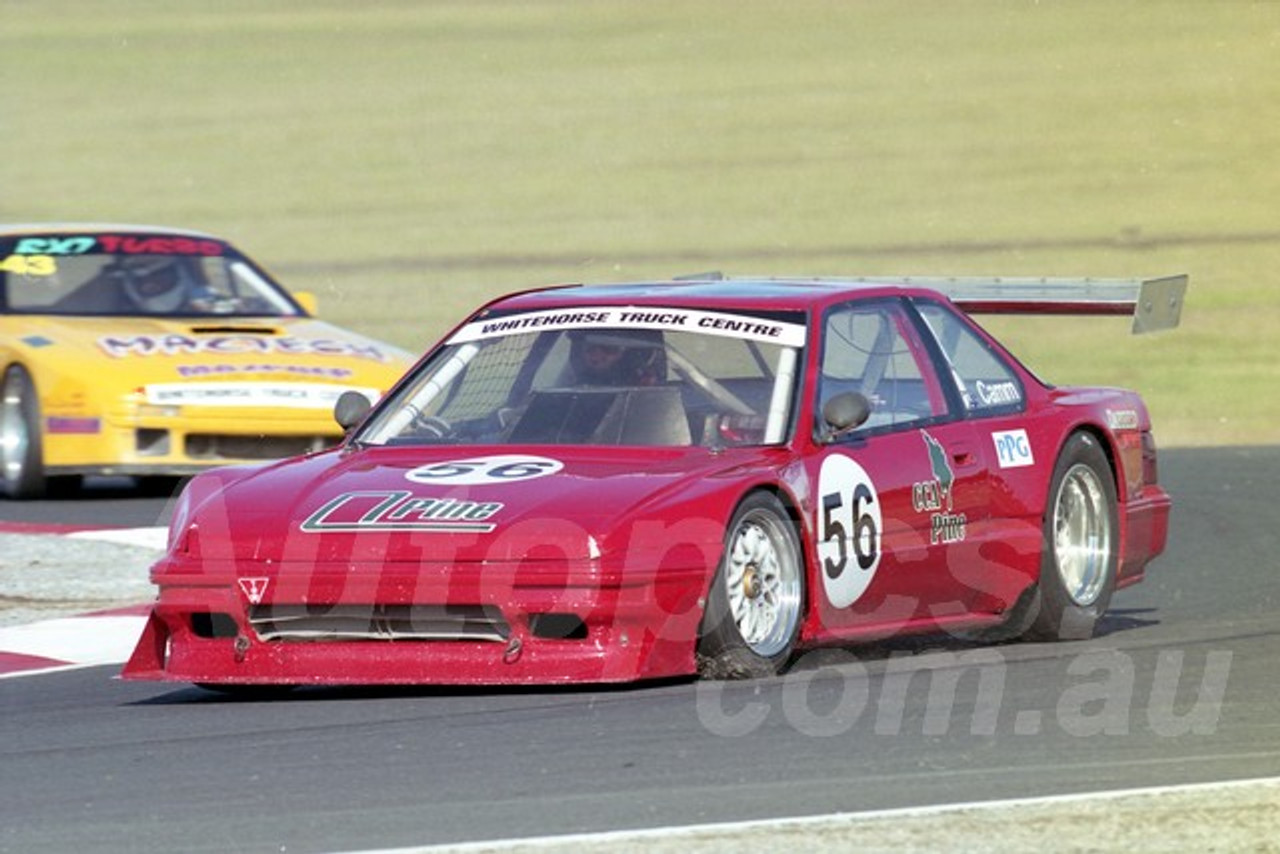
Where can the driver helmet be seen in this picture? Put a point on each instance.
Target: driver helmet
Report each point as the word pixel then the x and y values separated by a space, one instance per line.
pixel 622 357
pixel 157 284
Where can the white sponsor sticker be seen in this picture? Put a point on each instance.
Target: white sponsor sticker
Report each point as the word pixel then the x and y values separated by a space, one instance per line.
pixel 849 525
pixel 1013 449
pixel 286 395
pixel 475 471
pixel 724 324
pixel 1122 419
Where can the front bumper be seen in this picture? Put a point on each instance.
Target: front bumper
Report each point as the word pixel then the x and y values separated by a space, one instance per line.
pixel 127 443
pixel 336 625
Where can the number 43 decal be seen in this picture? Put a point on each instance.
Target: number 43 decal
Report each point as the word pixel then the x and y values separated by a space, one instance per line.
pixel 849 524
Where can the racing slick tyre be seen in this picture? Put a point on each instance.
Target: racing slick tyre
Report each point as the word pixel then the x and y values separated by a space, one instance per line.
pixel 756 600
pixel 1081 538
pixel 21 458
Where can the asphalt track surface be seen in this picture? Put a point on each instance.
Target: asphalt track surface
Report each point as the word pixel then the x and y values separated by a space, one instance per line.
pixel 1181 686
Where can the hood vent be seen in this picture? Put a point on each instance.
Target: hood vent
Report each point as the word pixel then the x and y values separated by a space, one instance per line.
pixel 235 330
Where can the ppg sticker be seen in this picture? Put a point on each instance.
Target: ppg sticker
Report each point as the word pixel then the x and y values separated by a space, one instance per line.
pixel 1013 449
pixel 476 471
pixel 849 526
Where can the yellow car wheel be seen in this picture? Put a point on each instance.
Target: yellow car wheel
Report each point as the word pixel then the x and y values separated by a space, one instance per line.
pixel 21 461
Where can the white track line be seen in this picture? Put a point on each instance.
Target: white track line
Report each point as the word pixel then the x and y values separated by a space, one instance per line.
pixel 830 821
pixel 153 538
pixel 74 641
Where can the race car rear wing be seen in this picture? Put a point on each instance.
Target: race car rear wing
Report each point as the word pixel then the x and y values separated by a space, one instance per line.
pixel 1154 304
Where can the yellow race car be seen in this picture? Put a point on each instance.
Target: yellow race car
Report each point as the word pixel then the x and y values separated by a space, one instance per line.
pixel 156 353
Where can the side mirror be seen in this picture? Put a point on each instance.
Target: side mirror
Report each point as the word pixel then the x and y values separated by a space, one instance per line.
pixel 350 410
pixel 844 412
pixel 307 300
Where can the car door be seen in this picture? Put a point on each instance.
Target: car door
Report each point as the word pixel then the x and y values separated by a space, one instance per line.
pixel 899 499
pixel 994 400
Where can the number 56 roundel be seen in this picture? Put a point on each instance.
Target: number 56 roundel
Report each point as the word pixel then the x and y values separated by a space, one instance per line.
pixel 849 526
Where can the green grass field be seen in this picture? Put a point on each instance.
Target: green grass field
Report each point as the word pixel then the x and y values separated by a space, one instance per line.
pixel 405 159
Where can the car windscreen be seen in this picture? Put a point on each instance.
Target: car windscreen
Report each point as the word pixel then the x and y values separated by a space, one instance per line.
pixel 215 282
pixel 584 380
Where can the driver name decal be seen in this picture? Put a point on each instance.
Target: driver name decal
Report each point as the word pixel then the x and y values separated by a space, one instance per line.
pixel 401 510
pixel 998 394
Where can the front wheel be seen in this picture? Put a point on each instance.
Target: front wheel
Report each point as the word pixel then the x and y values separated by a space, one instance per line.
pixel 756 600
pixel 1081 537
pixel 21 458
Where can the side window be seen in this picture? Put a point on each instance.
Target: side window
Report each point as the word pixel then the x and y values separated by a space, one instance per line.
pixel 986 382
pixel 872 348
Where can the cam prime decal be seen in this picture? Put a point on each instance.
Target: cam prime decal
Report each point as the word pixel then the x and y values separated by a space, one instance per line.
pixel 936 496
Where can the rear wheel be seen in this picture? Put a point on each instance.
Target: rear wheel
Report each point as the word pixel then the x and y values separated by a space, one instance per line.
pixel 756 600
pixel 1081 536
pixel 21 458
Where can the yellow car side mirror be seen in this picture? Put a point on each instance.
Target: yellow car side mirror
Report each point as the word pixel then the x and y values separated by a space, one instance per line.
pixel 307 300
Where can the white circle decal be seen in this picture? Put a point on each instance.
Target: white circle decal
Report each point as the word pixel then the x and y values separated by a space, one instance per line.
pixel 501 468
pixel 849 526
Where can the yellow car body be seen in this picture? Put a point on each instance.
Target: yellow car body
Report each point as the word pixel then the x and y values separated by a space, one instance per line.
pixel 96 384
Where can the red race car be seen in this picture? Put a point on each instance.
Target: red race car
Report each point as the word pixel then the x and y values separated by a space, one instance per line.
pixel 620 482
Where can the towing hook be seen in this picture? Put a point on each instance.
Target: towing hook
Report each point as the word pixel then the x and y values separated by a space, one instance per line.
pixel 512 653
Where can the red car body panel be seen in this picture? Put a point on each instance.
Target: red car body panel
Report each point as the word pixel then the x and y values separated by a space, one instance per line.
pixel 596 567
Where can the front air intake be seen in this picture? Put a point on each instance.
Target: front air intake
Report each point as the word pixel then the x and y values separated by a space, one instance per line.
pixel 378 623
